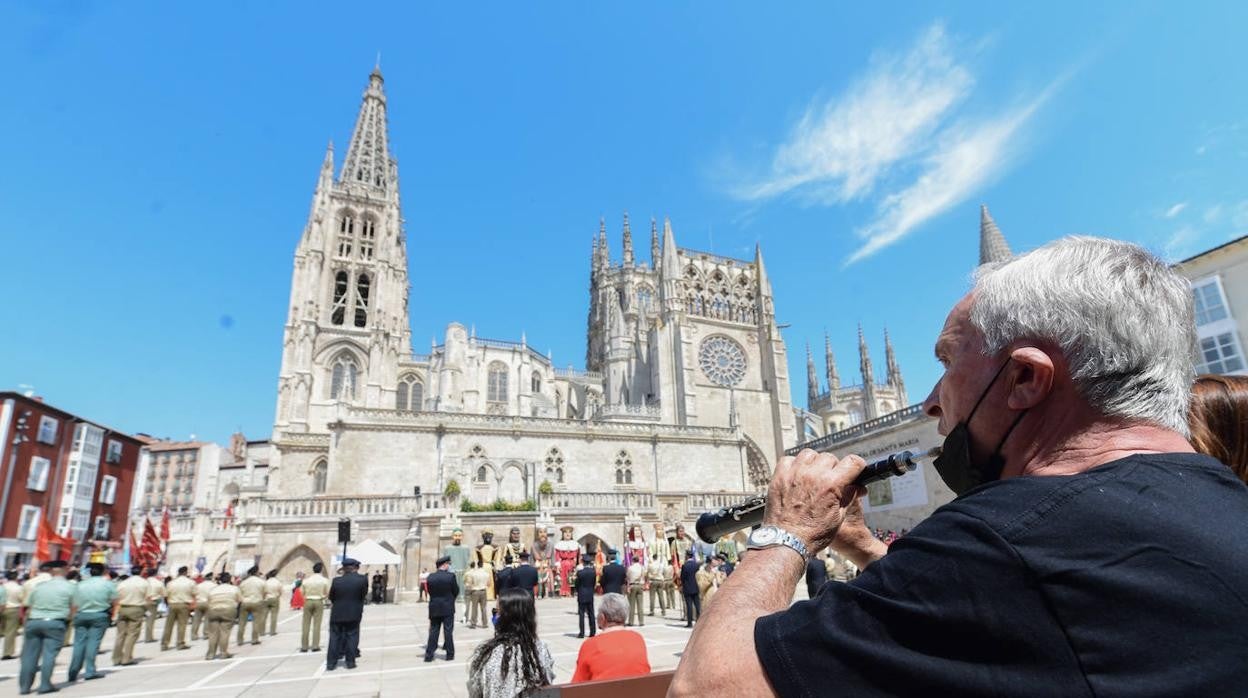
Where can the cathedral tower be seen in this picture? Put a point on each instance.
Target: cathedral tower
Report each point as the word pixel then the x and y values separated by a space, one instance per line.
pixel 348 324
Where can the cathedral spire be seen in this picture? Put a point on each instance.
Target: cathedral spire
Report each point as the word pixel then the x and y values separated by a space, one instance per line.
pixel 992 245
pixel 604 258
pixel 628 242
pixel 834 379
pixel 868 377
pixel 368 158
pixel 670 262
pixel 812 380
pixel 894 370
pixel 654 243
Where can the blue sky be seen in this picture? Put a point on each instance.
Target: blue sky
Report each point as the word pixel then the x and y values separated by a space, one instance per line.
pixel 159 163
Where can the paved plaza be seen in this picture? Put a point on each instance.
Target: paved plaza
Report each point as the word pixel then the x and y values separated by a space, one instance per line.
pixel 392 640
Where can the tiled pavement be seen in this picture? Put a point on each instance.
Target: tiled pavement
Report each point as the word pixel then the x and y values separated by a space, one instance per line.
pixel 392 642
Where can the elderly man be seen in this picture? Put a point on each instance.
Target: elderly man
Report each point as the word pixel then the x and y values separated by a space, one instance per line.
pixel 1084 530
pixel 616 652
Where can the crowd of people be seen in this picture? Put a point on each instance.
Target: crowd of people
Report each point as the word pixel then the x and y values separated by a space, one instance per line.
pixel 61 607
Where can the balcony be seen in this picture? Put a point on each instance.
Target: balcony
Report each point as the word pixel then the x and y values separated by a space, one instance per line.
pixel 631 413
pixel 594 502
pixel 311 508
pixel 823 443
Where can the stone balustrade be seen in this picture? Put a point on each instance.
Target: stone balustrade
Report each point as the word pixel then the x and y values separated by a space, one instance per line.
pixel 596 501
pixel 712 501
pixel 650 412
pixel 891 419
pixel 332 507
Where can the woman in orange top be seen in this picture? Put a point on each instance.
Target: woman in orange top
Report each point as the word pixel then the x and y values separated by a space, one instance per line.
pixel 614 652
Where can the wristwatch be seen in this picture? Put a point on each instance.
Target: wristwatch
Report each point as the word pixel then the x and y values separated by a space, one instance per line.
pixel 768 536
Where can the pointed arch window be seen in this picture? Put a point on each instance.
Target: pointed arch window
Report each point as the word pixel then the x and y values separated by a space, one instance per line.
pixel 320 477
pixel 554 465
pixel 535 384
pixel 362 285
pixel 623 468
pixel 497 388
pixel 368 237
pixel 343 378
pixel 338 311
pixel 482 474
pixel 346 234
pixel 410 395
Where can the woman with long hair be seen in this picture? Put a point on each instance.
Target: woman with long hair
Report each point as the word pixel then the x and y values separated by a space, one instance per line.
pixel 1219 420
pixel 513 662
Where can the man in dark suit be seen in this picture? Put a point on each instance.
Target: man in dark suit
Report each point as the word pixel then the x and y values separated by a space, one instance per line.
pixel 816 576
pixel 524 576
pixel 443 590
pixel 347 594
pixel 613 574
pixel 502 579
pixel 689 589
pixel 584 585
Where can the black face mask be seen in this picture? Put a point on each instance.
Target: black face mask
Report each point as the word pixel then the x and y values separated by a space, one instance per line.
pixel 954 463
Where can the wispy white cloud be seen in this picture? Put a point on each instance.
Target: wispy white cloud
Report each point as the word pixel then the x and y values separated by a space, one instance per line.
pixel 896 137
pixel 842 146
pixel 1175 209
pixel 1213 213
pixel 966 158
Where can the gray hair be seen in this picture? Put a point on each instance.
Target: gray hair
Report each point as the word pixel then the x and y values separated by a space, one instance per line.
pixel 1121 317
pixel 614 609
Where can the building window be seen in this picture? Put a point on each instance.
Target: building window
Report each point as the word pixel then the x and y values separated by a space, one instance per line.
pixel 47 429
pixel 38 478
pixel 342 381
pixel 644 296
pixel 100 530
pixel 481 474
pixel 320 477
pixel 346 231
pixel 535 384
pixel 114 452
pixel 410 394
pixel 1220 354
pixel 623 468
pixel 368 238
pixel 361 301
pixel 108 490
pixel 338 310
pixel 28 524
pixel 1209 304
pixel 497 390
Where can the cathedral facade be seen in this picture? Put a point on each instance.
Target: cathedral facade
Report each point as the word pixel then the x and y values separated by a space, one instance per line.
pixel 683 404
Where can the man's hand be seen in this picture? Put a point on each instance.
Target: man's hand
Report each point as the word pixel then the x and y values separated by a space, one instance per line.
pixel 854 540
pixel 810 494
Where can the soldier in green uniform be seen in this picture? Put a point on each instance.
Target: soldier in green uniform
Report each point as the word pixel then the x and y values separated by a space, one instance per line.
pixel 47 615
pixel 95 599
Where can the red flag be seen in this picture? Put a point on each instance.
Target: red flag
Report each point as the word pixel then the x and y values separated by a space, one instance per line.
pixel 151 544
pixel 42 539
pixel 136 553
pixel 164 525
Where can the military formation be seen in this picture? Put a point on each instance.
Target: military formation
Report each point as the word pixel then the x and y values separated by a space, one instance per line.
pixel 59 607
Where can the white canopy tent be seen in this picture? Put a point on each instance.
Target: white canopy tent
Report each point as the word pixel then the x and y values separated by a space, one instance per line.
pixel 367 553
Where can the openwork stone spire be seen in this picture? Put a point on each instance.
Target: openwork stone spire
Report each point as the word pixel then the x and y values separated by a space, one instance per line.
pixel 992 245
pixel 368 159
pixel 829 360
pixel 812 379
pixel 628 242
pixel 869 408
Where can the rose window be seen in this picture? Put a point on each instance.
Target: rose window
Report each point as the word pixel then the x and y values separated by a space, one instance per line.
pixel 722 360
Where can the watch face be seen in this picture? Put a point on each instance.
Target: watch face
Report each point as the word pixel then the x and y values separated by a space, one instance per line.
pixel 763 536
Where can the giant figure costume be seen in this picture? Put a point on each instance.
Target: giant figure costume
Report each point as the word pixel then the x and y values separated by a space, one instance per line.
pixel 566 554
pixel 489 558
pixel 460 555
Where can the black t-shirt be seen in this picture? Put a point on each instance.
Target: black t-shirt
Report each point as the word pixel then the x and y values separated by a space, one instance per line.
pixel 1128 579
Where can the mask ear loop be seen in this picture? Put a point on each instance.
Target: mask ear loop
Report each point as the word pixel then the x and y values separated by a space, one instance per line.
pixel 985 393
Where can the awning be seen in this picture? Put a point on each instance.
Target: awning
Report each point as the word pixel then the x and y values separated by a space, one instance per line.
pixel 367 553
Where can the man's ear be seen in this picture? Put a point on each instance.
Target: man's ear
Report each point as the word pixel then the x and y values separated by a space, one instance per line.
pixel 1032 376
